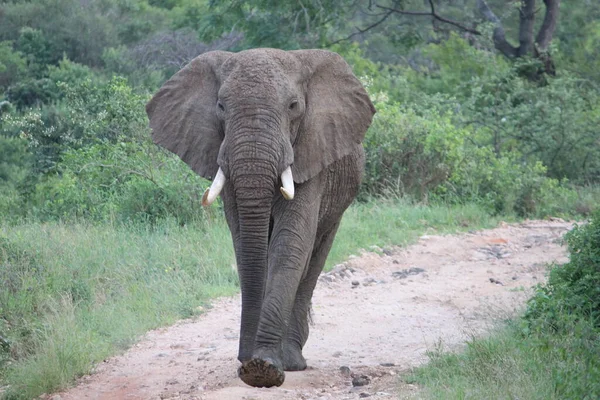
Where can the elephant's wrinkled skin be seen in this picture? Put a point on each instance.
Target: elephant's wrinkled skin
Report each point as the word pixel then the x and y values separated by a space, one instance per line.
pixel 251 115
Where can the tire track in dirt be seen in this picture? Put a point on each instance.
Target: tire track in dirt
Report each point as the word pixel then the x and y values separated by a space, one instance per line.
pixel 376 314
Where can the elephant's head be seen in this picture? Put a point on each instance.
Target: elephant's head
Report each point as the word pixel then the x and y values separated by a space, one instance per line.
pixel 266 111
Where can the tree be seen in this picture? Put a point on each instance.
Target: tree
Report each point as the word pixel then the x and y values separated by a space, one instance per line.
pixel 530 44
pixel 270 23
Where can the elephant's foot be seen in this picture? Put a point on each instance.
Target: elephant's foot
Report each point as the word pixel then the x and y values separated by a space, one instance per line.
pixel 261 373
pixel 293 360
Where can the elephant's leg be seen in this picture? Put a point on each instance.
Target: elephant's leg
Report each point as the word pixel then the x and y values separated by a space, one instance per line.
pixel 297 333
pixel 292 240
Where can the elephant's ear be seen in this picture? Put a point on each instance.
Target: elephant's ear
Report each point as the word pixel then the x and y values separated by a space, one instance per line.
pixel 183 113
pixel 338 113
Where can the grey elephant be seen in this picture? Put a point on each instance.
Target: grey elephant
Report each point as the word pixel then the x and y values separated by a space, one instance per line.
pixel 253 122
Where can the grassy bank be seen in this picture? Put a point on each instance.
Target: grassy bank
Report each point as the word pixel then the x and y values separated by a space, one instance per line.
pixel 73 294
pixel 390 222
pixel 550 352
pixel 509 364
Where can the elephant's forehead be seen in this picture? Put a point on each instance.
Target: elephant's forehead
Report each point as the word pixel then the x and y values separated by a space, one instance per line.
pixel 271 59
pixel 266 72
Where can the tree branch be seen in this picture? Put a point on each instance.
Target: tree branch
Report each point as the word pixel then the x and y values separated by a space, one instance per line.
pixel 499 36
pixel 526 21
pixel 432 14
pixel 544 35
pixel 359 31
pixel 123 171
pixel 391 10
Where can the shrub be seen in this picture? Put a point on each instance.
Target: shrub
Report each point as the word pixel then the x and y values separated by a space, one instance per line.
pixel 573 289
pixel 428 157
pixel 71 73
pixel 12 65
pixel 93 112
pixel 30 92
pixel 507 184
pixel 555 123
pixel 125 181
pixel 410 154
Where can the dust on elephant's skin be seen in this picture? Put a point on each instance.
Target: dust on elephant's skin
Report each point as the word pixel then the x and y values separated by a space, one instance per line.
pixel 279 133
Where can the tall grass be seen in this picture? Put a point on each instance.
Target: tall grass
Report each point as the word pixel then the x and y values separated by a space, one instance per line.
pixel 509 364
pixel 73 294
pixel 385 222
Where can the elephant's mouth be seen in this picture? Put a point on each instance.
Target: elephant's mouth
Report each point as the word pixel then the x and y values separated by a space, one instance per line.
pixel 210 195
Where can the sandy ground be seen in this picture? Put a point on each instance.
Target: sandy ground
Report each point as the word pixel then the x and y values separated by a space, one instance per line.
pixel 375 316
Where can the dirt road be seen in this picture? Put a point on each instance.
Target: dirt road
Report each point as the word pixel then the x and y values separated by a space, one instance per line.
pixel 374 316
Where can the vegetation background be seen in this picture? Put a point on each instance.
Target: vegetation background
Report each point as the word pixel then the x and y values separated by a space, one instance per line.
pixel 485 110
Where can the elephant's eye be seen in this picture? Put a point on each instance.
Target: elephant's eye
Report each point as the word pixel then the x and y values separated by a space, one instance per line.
pixel 294 105
pixel 220 106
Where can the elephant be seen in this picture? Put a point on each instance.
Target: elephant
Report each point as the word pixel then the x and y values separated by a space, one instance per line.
pixel 253 121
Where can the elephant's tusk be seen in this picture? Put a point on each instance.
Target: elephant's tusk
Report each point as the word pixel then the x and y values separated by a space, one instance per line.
pixel 287 181
pixel 213 191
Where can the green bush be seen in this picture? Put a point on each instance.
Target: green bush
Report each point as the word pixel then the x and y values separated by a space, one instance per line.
pixel 94 158
pixel 455 67
pixel 92 112
pixel 554 123
pixel 31 92
pixel 573 289
pixel 428 157
pixel 125 181
pixel 41 85
pixel 553 120
pixel 410 154
pixel 507 185
pixel 12 65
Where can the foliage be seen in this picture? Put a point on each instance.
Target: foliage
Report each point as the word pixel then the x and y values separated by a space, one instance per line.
pixel 294 25
pixel 37 49
pixel 14 161
pixel 79 30
pixel 456 121
pixel 413 153
pixel 431 158
pixel 97 157
pixel 573 289
pixel 12 65
pixel 91 113
pixel 508 365
pixel 15 168
pixel 125 181
pixel 455 67
pixel 49 88
pixel 554 124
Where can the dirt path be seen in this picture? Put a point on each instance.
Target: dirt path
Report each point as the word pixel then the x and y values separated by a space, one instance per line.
pixel 376 314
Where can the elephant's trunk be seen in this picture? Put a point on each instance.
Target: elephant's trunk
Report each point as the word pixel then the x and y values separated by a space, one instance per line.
pixel 254 178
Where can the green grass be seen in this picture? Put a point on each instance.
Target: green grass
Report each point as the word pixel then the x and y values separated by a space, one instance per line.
pixel 509 364
pixel 73 294
pixel 394 222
